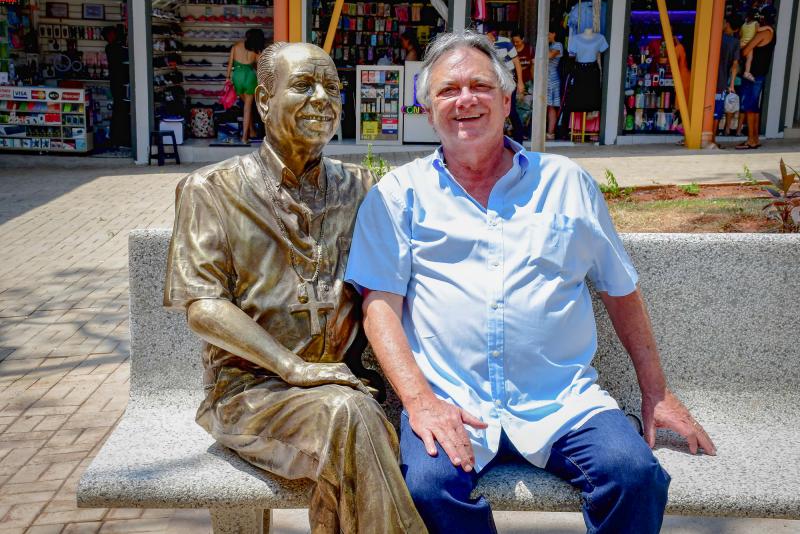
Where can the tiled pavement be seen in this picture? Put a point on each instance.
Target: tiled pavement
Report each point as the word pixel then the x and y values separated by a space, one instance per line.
pixel 64 346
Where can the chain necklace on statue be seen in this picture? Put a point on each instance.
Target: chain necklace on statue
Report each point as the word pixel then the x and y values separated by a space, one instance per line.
pixel 303 293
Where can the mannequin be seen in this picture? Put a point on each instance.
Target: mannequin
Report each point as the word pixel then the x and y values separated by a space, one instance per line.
pixel 584 91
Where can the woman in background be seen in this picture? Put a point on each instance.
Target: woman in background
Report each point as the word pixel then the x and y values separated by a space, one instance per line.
pixel 241 63
pixel 408 40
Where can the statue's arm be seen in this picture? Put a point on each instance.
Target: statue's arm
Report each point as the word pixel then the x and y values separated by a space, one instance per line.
pixel 221 323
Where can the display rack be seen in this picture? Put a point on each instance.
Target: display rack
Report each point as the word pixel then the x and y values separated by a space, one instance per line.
pixel 219 27
pixel 45 119
pixel 367 31
pixel 378 102
pixel 503 15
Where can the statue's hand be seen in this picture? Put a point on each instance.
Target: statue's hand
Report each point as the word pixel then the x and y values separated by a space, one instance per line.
pixel 307 374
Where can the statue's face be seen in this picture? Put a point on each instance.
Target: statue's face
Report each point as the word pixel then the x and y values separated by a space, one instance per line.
pixel 306 104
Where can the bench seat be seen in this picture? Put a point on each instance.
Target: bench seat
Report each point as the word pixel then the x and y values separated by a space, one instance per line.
pixel 724 311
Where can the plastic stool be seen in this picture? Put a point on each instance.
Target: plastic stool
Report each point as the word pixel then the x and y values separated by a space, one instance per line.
pixel 157 139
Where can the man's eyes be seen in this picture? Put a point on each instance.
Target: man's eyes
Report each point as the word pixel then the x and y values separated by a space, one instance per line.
pixel 449 92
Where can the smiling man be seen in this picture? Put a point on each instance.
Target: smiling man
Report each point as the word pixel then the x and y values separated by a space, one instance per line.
pixel 473 263
pixel 257 258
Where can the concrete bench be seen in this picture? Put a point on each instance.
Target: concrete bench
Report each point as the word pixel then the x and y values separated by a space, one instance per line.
pixel 725 313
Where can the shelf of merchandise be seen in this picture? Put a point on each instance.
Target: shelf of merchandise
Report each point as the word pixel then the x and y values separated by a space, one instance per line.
pixel 45 119
pixel 503 15
pixel 648 100
pixel 378 102
pixel 368 29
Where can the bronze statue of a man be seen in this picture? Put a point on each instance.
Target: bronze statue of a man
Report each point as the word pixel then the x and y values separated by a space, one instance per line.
pixel 257 259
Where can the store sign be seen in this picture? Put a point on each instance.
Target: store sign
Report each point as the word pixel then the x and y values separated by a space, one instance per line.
pixel 5 92
pixel 38 94
pixel 20 94
pixel 414 110
pixel 53 95
pixel 389 126
pixel 70 96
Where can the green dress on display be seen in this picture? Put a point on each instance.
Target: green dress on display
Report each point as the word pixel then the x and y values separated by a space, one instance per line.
pixel 244 78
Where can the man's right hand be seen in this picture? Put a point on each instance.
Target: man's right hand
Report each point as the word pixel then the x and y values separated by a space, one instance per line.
pixel 306 374
pixel 437 420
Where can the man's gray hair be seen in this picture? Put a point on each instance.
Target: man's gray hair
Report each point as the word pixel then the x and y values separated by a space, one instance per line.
pixel 448 42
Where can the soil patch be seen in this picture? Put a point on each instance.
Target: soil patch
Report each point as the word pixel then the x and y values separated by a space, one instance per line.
pixel 712 209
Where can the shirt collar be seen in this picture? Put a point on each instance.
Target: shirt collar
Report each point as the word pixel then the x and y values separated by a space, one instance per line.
pixel 520 155
pixel 276 167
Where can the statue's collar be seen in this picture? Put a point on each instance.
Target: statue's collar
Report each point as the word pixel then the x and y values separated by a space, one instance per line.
pixel 276 167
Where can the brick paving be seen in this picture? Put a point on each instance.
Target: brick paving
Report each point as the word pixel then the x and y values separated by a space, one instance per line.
pixel 64 344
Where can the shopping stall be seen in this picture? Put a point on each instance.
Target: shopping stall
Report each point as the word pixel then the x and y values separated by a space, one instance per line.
pixel 64 82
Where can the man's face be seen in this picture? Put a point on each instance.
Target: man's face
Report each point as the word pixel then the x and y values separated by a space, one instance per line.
pixel 306 105
pixel 492 36
pixel 467 105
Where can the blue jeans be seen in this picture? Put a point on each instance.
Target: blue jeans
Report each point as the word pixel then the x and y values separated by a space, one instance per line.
pixel 623 487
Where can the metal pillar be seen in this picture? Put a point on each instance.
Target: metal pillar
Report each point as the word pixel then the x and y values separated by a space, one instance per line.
pixel 337 12
pixel 718 14
pixel 539 106
pixel 140 44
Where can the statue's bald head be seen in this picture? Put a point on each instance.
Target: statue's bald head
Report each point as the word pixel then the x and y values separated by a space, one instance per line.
pixel 267 61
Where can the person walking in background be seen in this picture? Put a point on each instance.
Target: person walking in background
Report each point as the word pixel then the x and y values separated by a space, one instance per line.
pixel 505 50
pixel 761 46
pixel 525 55
pixel 409 43
pixel 728 67
pixel 555 52
pixel 241 61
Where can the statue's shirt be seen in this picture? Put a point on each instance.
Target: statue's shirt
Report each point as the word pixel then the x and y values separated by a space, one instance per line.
pixel 228 244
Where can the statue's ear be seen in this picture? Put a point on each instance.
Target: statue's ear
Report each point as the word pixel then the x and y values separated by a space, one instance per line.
pixel 262 98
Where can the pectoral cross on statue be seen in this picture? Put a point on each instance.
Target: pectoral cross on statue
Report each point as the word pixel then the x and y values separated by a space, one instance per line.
pixel 309 303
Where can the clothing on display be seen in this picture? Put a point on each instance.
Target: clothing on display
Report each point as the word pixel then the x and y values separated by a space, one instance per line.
pixel 581 17
pixel 586 45
pixel 584 91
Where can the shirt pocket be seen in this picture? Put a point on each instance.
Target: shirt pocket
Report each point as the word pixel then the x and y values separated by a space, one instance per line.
pixel 551 242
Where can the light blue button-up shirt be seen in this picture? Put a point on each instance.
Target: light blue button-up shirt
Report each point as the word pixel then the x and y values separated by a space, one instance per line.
pixel 497 311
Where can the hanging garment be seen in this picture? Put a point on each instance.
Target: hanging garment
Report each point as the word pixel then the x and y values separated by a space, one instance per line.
pixel 586 47
pixel 584 92
pixel 580 17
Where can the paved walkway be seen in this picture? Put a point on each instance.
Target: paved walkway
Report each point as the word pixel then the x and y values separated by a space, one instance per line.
pixel 64 328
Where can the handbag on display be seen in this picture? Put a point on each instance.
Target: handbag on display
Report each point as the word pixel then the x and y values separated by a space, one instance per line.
pixel 228 98
pixel 202 122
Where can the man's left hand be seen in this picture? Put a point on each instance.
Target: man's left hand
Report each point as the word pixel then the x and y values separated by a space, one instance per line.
pixel 520 91
pixel 669 412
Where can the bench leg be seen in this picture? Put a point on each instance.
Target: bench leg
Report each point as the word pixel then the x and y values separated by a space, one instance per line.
pixel 240 520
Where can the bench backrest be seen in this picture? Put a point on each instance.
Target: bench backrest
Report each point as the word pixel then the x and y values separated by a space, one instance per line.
pixel 724 309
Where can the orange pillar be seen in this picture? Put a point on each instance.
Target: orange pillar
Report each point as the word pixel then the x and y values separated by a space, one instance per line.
pixel 295 21
pixel 717 19
pixel 280 15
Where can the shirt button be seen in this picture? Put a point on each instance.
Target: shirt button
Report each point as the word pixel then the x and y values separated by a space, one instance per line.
pixel 492 222
pixel 498 403
pixel 495 264
pixel 495 305
pixel 495 353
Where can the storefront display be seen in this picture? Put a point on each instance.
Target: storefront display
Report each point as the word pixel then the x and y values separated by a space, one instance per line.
pixel 369 32
pixel 378 103
pixel 650 105
pixel 45 119
pixel 191 45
